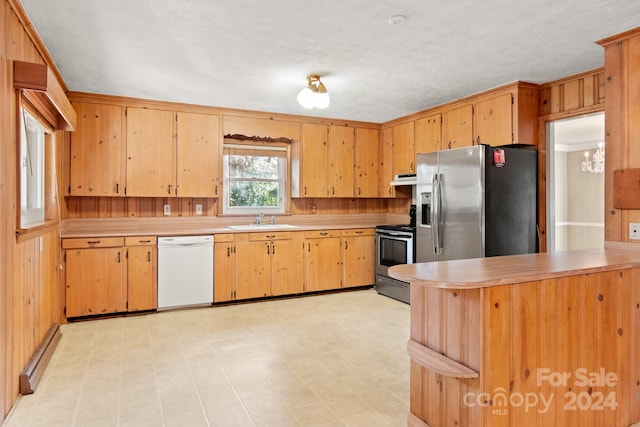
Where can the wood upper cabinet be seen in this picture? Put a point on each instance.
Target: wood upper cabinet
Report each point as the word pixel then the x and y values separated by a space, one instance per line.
pixel 367 162
pixel 322 260
pixel 341 161
pixel 313 161
pixel 493 121
pixel 96 276
pixel 429 134
pixel 404 153
pixel 458 124
pixel 150 153
pixel 198 155
pixel 142 273
pixel 385 165
pixel 97 151
pixel 358 252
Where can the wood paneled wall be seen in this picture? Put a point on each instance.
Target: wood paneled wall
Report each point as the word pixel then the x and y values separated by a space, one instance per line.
pixel 122 207
pixel 29 287
pixel 622 124
pixel 561 99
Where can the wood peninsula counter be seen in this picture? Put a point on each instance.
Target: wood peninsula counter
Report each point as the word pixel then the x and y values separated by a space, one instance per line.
pixel 526 340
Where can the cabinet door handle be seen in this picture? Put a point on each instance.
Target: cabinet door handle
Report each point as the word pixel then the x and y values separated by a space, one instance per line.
pixel 268 249
pixel 169 189
pixel 346 245
pixel 308 247
pixel 229 251
pixel 273 248
pixel 93 242
pixel 148 256
pixel 449 145
pixel 144 241
pixel 333 191
pixel 216 191
pixel 270 236
pixel 118 258
pixel 389 190
pixel 117 188
pixel 324 234
pixel 305 190
pixel 478 143
pixel 359 232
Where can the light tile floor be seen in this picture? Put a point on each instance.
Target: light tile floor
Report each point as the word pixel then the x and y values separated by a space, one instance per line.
pixel 328 360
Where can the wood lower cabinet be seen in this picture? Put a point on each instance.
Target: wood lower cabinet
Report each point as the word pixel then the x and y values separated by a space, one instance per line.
pixel 142 273
pixel 322 260
pixel 256 265
pixel 358 252
pixel 96 276
pixel 110 275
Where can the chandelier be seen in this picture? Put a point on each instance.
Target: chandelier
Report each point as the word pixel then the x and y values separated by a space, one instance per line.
pixel 595 163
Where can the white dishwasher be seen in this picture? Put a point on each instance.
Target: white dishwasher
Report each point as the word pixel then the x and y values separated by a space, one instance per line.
pixel 185 271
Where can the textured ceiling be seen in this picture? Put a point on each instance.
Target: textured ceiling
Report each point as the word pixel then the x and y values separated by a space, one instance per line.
pixel 256 55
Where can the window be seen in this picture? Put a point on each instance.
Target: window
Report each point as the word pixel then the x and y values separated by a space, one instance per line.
pixel 254 179
pixel 32 139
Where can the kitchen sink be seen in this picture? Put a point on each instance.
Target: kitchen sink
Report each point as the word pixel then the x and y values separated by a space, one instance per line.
pixel 257 227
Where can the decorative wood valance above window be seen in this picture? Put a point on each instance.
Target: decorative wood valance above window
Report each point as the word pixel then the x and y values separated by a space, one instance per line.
pixel 43 90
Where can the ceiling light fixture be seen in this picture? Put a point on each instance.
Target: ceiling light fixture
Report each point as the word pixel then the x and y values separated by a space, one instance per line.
pixel 595 163
pixel 314 94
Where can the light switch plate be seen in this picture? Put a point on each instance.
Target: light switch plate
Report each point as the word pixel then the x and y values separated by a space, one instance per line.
pixel 167 209
pixel 634 231
pixel 198 208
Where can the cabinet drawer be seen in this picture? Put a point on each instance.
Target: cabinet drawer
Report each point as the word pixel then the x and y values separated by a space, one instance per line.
pixel 96 242
pixel 140 241
pixel 281 235
pixel 359 232
pixel 321 234
pixel 223 238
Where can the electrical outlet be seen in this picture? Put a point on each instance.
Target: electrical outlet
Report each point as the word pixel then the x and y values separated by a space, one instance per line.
pixel 634 231
pixel 198 208
pixel 167 209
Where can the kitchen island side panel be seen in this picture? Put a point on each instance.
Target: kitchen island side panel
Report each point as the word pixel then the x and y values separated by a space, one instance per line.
pixel 562 351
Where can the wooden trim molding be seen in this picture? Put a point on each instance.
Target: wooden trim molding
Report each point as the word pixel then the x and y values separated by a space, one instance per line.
pixel 436 362
pixel 32 373
pixel 413 421
pixel 39 78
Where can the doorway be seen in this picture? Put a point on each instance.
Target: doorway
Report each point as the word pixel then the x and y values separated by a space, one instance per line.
pixel 575 183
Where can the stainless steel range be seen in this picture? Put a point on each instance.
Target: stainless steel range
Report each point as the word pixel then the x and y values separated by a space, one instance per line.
pixel 395 244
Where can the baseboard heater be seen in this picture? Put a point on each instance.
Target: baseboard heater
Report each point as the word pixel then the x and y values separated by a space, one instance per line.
pixel 32 373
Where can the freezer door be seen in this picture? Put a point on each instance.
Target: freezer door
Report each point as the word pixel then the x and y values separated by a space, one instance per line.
pixel 461 193
pixel 426 172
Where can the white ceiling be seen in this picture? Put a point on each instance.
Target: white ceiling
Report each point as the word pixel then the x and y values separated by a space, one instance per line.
pixel 256 54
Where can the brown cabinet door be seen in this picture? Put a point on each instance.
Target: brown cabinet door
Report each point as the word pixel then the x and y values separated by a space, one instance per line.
pixel 358 260
pixel 252 269
pixel 97 151
pixel 366 160
pixel 385 165
pixel 404 153
pixel 224 271
pixel 428 134
pixel 315 160
pixel 341 161
pixel 150 153
pixel 96 281
pixel 494 121
pixel 142 274
pixel 459 127
pixel 323 269
pixel 198 155
pixel 287 272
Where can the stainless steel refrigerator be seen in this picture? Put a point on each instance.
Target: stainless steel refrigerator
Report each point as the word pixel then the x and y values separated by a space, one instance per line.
pixel 476 202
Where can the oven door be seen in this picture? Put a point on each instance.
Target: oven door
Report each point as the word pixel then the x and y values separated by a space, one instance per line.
pixel 392 248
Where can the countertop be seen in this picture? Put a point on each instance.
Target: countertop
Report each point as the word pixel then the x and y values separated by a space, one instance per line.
pixel 506 270
pixel 185 226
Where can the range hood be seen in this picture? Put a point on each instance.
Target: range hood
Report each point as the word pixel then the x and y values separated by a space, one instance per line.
pixel 404 179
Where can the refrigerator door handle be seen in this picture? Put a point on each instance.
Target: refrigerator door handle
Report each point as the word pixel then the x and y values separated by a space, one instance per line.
pixel 435 232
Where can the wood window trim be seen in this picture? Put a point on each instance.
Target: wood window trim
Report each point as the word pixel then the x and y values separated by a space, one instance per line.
pixel 41 87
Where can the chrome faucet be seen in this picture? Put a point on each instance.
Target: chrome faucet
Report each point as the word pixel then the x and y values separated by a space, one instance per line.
pixel 273 220
pixel 259 217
